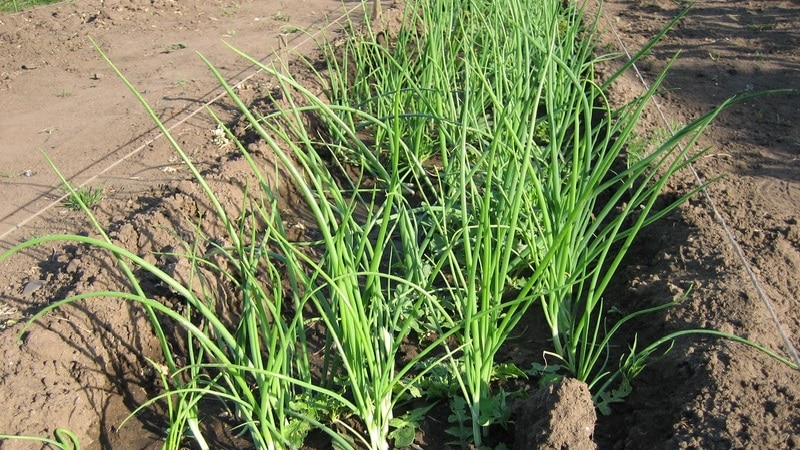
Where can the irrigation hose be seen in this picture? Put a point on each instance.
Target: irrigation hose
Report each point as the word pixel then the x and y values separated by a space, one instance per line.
pixel 790 348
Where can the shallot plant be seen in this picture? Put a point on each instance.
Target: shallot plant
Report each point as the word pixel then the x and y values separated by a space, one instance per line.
pixel 512 153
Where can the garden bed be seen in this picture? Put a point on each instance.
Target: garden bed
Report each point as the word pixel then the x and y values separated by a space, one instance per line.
pixel 162 226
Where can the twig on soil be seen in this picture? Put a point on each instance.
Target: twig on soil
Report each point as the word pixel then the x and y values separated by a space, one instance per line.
pixel 376 9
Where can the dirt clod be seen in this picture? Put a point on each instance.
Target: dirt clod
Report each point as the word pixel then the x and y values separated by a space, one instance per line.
pixel 556 417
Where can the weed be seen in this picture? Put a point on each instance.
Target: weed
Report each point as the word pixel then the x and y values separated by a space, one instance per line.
pixel 230 10
pixel 639 146
pixel 173 48
pixel 290 29
pixel 183 82
pixel 85 196
pixel 280 16
pixel 761 27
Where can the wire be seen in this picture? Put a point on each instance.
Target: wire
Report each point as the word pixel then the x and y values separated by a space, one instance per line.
pixel 790 349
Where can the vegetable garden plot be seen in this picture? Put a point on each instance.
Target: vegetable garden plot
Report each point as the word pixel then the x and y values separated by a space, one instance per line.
pixel 448 198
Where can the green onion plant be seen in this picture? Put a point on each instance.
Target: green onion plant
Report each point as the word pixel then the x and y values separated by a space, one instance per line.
pixel 512 152
pixel 365 286
pixel 64 439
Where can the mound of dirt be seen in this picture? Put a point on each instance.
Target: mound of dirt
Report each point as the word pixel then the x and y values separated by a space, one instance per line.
pixel 556 417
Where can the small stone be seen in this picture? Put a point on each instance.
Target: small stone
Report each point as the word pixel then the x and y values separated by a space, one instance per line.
pixel 32 286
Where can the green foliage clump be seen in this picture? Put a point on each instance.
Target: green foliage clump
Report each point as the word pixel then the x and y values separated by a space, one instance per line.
pixel 18 5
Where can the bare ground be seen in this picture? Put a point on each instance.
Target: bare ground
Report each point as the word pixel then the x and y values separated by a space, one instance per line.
pixel 83 368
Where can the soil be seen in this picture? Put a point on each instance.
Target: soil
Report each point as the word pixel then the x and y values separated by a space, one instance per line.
pixel 84 367
pixel 558 416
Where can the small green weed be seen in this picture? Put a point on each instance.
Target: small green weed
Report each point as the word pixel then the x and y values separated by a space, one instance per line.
pixel 290 29
pixel 640 146
pixel 183 82
pixel 761 27
pixel 173 48
pixel 87 196
pixel 230 11
pixel 280 16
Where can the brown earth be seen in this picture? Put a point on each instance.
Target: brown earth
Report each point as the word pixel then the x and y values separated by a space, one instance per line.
pixel 84 368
